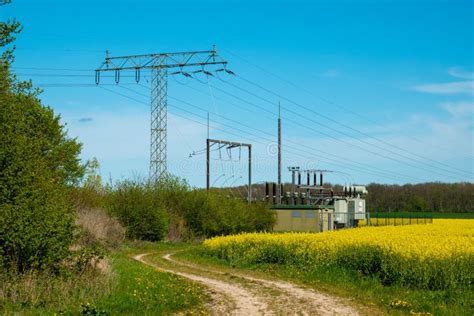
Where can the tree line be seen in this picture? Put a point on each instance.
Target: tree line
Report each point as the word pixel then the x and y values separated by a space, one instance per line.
pixel 422 197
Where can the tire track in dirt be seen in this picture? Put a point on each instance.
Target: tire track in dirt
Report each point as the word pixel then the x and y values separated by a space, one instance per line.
pixel 244 301
pixel 294 298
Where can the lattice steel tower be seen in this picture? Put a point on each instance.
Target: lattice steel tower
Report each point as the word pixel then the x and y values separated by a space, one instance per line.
pixel 197 61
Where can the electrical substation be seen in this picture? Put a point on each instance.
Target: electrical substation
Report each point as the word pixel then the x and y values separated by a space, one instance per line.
pixel 307 205
pixel 312 206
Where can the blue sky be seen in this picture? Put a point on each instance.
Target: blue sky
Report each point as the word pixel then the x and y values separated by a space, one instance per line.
pixel 395 79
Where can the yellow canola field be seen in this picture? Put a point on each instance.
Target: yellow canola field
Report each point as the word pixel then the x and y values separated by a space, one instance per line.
pixel 435 256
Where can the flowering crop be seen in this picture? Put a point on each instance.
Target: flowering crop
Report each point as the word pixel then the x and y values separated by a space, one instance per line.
pixel 433 256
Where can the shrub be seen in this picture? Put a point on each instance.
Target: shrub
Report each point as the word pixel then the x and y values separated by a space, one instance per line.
pixel 38 163
pixel 139 210
pixel 211 214
pixel 148 210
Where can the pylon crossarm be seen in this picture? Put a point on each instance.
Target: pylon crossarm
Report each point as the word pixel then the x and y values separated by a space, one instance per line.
pixel 174 60
pixel 147 66
pixel 159 65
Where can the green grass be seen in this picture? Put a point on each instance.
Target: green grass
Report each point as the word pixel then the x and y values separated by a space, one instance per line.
pixel 143 290
pixel 366 290
pixel 132 289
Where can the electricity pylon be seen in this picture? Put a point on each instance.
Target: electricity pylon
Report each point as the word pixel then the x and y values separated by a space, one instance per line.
pixel 159 65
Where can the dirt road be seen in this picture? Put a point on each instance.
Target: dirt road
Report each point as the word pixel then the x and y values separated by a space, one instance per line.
pixel 240 294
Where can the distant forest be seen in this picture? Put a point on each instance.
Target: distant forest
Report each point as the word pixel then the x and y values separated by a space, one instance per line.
pixel 435 197
pixel 423 197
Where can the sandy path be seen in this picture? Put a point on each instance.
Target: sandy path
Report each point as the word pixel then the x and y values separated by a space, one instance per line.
pixel 247 295
pixel 313 302
pixel 245 303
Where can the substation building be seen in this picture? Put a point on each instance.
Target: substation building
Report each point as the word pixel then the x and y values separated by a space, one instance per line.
pixel 313 207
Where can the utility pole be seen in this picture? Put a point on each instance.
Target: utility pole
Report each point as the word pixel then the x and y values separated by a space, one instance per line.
pixel 279 156
pixel 159 64
pixel 209 143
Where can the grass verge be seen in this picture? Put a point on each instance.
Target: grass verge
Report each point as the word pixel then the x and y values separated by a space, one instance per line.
pixel 129 288
pixel 366 291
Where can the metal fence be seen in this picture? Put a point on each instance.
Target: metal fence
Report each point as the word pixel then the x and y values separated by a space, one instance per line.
pixel 394 219
pixel 349 220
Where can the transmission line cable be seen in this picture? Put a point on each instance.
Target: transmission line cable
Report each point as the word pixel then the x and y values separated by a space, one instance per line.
pixel 353 129
pixel 293 102
pixel 344 165
pixel 350 136
pixel 343 108
pixel 298 124
pixel 299 148
pixel 221 116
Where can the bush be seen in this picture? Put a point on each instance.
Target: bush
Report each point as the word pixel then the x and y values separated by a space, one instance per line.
pixel 38 164
pixel 147 211
pixel 212 214
pixel 139 210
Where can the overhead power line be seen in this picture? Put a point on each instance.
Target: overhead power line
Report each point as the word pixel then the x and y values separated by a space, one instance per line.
pixel 318 123
pixel 52 69
pixel 298 147
pixel 436 170
pixel 332 103
pixel 359 131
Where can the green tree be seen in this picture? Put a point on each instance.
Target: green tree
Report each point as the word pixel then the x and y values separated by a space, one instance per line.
pixel 38 164
pixel 138 207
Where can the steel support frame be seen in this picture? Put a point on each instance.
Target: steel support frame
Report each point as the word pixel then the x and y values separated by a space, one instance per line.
pixel 159 118
pixel 209 143
pixel 159 65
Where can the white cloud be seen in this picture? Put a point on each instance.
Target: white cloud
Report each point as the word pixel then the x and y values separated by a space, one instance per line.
pixel 457 109
pixel 460 73
pixel 455 87
pixel 447 88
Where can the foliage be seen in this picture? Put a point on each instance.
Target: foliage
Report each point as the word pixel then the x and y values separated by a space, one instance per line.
pixel 139 210
pixel 90 193
pixel 434 197
pixel 213 214
pixel 38 162
pixel 147 210
pixel 435 256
